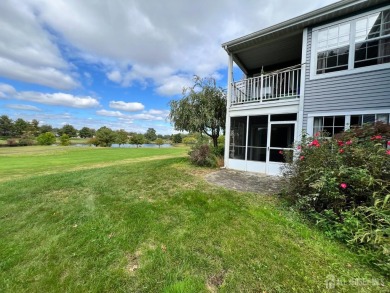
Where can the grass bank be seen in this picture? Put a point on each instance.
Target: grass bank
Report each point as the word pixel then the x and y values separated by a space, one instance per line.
pixel 152 224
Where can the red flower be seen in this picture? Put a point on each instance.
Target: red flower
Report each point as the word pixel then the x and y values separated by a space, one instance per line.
pixel 388 143
pixel 315 143
pixel 376 137
pixel 341 151
pixel 340 143
pixel 388 152
pixel 343 185
pixel 299 147
pixel 349 142
pixel 302 158
pixel 281 152
pixel 317 134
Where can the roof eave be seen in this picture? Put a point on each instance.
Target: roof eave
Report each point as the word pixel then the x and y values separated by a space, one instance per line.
pixel 298 22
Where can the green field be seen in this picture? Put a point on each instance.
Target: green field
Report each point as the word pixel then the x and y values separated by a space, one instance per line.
pixel 144 220
pixel 27 161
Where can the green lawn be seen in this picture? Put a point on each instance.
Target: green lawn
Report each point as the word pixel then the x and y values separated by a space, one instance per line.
pixel 76 140
pixel 26 161
pixel 144 220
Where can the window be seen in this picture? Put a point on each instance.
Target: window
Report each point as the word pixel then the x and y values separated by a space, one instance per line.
pixel 329 125
pixel 359 120
pixel 332 125
pixel 333 48
pixel 372 39
pixel 360 42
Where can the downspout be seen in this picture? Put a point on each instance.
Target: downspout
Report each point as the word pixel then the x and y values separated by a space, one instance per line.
pixel 302 87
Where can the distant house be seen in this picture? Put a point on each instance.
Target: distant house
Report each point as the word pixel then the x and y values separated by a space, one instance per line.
pixel 325 70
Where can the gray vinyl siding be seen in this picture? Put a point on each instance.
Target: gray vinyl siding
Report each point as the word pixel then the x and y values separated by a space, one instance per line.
pixel 350 92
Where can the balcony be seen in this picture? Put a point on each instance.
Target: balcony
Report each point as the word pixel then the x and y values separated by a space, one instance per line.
pixel 273 86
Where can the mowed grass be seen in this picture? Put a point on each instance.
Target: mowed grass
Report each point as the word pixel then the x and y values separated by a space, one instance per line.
pixel 156 226
pixel 27 161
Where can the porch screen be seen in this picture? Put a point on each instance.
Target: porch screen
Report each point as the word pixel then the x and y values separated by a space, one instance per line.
pixel 257 140
pixel 237 138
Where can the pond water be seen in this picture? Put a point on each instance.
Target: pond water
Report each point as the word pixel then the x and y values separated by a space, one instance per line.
pixel 148 145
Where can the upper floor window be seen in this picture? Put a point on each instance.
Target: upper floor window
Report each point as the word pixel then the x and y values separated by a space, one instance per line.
pixel 333 48
pixel 360 42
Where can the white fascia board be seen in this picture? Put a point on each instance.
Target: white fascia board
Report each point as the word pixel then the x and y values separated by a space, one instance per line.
pixel 286 109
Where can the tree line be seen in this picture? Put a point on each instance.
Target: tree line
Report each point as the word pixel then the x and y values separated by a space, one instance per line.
pixel 22 132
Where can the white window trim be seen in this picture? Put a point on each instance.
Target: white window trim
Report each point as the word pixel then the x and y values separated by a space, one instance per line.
pixel 348 114
pixel 351 69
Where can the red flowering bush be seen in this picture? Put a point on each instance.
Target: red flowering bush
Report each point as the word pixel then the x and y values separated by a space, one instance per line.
pixel 344 185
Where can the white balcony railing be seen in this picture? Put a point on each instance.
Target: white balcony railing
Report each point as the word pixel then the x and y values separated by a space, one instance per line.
pixel 276 85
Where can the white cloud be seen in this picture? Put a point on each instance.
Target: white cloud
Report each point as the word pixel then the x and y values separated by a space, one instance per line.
pixel 56 99
pixel 109 113
pixel 27 51
pixel 23 107
pixel 154 43
pixel 114 76
pixel 157 112
pixel 173 85
pixel 151 115
pixel 125 106
pixel 47 76
pixel 6 90
pixel 146 116
pixel 136 42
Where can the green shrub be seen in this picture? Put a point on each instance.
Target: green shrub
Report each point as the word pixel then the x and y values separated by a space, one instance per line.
pixel 219 150
pixel 47 138
pixel 105 136
pixel 64 140
pixel 93 141
pixel 189 140
pixel 344 185
pixel 221 140
pixel 159 142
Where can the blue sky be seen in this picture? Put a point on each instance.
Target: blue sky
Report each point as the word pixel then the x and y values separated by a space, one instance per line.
pixel 119 63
